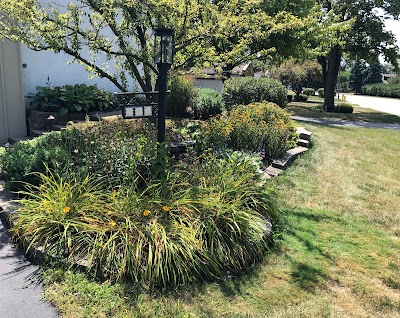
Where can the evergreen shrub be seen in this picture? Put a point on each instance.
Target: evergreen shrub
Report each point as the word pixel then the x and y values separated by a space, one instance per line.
pixel 382 90
pixel 321 92
pixel 207 103
pixel 246 90
pixel 180 98
pixel 343 108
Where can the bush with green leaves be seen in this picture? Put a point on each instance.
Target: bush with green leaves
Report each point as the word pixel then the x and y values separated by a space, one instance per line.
pixel 301 98
pixel 343 108
pixel 116 151
pixel 309 91
pixel 71 98
pixel 382 90
pixel 258 127
pixel 207 219
pixel 180 98
pixel 207 103
pixel 321 92
pixel 394 80
pixel 246 90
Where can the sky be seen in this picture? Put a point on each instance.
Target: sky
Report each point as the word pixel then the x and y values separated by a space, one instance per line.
pixel 394 26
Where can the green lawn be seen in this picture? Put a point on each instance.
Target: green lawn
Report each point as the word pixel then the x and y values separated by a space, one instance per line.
pixel 306 109
pixel 337 253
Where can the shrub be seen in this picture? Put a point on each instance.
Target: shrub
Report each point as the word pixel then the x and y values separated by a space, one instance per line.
pixel 289 98
pixel 383 90
pixel 258 127
pixel 321 92
pixel 394 80
pixel 71 98
pixel 246 90
pixel 343 108
pixel 208 218
pixel 309 91
pixel 117 151
pixel 180 99
pixel 301 98
pixel 207 103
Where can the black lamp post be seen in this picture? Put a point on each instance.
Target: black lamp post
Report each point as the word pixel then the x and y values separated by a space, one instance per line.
pixel 163 57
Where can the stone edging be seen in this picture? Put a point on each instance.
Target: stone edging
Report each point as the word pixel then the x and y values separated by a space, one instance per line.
pixel 8 200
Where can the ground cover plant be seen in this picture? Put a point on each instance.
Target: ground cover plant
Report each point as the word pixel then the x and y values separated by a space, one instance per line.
pixel 257 127
pixel 337 257
pixel 71 98
pixel 115 151
pixel 104 196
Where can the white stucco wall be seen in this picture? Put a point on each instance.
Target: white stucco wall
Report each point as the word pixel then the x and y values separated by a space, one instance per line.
pixel 58 67
pixel 46 64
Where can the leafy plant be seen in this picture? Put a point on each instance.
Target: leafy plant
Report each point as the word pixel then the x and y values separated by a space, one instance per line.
pixel 383 90
pixel 207 103
pixel 118 151
pixel 180 98
pixel 309 91
pixel 246 90
pixel 207 218
pixel 343 108
pixel 321 92
pixel 71 98
pixel 258 127
pixel 301 98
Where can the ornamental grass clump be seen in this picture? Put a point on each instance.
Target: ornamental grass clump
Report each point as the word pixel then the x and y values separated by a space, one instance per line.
pixel 206 219
pixel 258 127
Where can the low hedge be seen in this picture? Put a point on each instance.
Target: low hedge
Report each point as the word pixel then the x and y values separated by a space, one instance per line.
pixel 246 90
pixel 383 90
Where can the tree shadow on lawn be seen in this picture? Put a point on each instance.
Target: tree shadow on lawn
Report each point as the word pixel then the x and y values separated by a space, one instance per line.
pixel 299 246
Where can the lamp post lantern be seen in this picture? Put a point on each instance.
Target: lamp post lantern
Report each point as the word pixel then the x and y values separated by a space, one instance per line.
pixel 163 57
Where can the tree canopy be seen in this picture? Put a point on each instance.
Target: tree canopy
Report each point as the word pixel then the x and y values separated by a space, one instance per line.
pixel 114 39
pixel 359 33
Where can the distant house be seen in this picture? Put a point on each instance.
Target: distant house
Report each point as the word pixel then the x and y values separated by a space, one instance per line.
pixel 209 78
pixel 386 77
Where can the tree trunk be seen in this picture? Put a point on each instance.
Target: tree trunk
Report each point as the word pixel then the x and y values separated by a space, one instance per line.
pixel 332 73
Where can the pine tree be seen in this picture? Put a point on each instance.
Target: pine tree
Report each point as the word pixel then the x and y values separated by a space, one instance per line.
pixel 356 76
pixel 374 74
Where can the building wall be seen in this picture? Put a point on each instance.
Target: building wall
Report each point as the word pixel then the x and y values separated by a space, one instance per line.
pixel 57 69
pixel 12 108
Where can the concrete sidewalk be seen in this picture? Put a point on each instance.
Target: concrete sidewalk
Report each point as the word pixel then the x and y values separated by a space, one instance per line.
pixel 20 293
pixel 382 104
pixel 347 123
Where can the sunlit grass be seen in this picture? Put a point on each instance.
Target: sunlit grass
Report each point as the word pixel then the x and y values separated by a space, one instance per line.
pixel 307 109
pixel 337 255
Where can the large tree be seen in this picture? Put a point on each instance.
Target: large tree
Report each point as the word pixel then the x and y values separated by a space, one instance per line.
pixel 224 33
pixel 366 37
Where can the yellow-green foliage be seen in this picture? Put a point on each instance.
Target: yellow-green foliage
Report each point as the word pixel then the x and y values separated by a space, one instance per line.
pixel 203 221
pixel 254 127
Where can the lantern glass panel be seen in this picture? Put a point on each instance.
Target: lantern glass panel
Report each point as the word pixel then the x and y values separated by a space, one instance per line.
pixel 148 111
pixel 139 111
pixel 129 112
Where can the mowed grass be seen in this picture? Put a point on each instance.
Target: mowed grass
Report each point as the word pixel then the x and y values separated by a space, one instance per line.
pixel 306 109
pixel 337 253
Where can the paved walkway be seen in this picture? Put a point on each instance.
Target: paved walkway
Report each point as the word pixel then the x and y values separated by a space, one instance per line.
pixel 20 294
pixel 347 123
pixel 382 104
